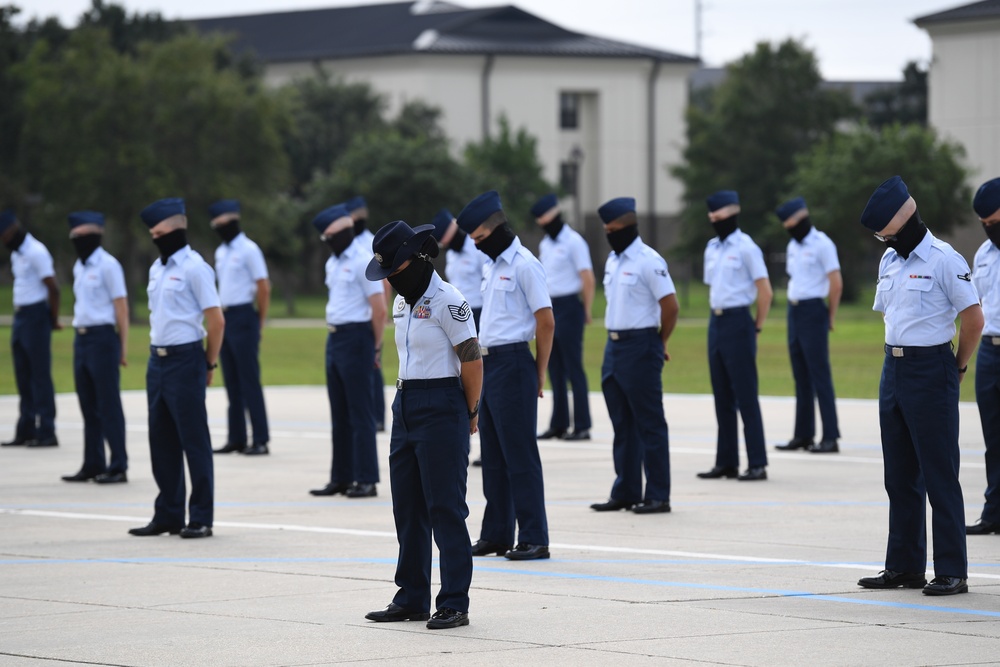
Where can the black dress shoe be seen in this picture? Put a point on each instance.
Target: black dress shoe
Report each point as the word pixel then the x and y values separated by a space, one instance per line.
pixel 611 505
pixel 754 475
pixel 111 478
pixel 81 477
pixel 17 442
pixel 487 548
pixel 651 507
pixel 795 443
pixel 946 586
pixel 577 435
pixel 361 491
pixel 552 433
pixel 153 528
pixel 47 442
pixel 258 449
pixel 196 530
pixel 981 527
pixel 380 427
pixel 719 471
pixel 477 463
pixel 447 617
pixel 330 489
pixel 528 552
pixel 231 447
pixel 825 447
pixel 396 613
pixel 890 579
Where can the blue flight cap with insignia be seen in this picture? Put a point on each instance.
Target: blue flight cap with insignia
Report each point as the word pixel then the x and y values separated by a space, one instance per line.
pixel 160 210
pixel 7 218
pixel 328 215
pixel 616 208
pixel 721 199
pixel 544 205
pixel 394 244
pixel 441 220
pixel 884 203
pixel 354 203
pixel 77 218
pixel 987 199
pixel 478 210
pixel 790 208
pixel 224 206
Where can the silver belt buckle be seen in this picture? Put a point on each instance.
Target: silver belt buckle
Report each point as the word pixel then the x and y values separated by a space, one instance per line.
pixel 332 328
pixel 613 335
pixel 82 331
pixel 485 351
pixel 399 383
pixel 161 351
pixel 717 311
pixel 995 340
pixel 897 352
pixel 794 302
pixel 225 308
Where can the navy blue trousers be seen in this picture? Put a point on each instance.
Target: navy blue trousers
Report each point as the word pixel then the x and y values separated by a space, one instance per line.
pixel 428 471
pixel 809 349
pixel 633 389
pixel 350 355
pixel 918 413
pixel 512 468
pixel 378 396
pixel 476 313
pixel 178 430
pixel 988 399
pixel 732 364
pixel 566 363
pixel 96 355
pixel 240 358
pixel 31 347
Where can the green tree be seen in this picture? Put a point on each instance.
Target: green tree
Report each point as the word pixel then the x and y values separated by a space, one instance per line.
pixel 838 176
pixel 509 164
pixel 746 136
pixel 904 104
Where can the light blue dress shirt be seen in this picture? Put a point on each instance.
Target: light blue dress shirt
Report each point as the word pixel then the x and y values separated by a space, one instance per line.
pixel 732 268
pixel 809 265
pixel 348 288
pixel 96 284
pixel 428 331
pixel 986 279
pixel 31 264
pixel 563 259
pixel 179 293
pixel 239 264
pixel 513 290
pixel 634 283
pixel 464 270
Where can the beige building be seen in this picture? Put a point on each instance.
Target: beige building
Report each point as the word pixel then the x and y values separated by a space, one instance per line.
pixel 608 116
pixel 964 91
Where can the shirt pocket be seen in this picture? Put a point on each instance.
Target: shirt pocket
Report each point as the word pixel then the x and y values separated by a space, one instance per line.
pixel 915 291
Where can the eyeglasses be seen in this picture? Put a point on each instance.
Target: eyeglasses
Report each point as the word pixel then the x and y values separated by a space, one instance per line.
pixel 885 239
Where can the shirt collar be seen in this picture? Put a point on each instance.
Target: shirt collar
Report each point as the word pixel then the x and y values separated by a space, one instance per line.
pixel 94 256
pixel 632 248
pixel 28 238
pixel 180 256
pixel 508 254
pixel 923 249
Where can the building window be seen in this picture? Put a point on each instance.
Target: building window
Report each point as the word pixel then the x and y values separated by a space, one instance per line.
pixel 568 176
pixel 569 111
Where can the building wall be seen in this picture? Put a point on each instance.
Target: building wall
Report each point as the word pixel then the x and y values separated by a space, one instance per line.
pixel 613 131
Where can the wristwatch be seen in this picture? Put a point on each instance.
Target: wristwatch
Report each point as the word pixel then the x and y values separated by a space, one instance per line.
pixel 212 367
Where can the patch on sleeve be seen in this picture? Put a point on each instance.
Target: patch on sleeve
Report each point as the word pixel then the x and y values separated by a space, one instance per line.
pixel 967 277
pixel 460 313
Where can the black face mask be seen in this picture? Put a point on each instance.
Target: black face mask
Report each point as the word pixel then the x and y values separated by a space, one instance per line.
pixel 909 236
pixel 360 225
pixel 170 243
pixel 85 245
pixel 621 239
pixel 494 244
pixel 412 282
pixel 993 232
pixel 340 241
pixel 554 227
pixel 457 241
pixel 16 240
pixel 726 226
pixel 799 231
pixel 228 231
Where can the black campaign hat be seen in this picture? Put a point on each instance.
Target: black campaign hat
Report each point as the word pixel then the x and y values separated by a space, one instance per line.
pixel 394 244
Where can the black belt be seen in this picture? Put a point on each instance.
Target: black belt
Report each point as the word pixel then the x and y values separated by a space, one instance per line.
pixel 487 350
pixel 631 333
pixel 350 326
pixel 803 302
pixel 32 306
pixel 991 340
pixel 729 311
pixel 910 351
pixel 240 306
pixel 433 383
pixel 83 331
pixel 167 350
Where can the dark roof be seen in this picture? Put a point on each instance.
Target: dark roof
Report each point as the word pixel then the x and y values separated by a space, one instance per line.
pixel 972 12
pixel 425 26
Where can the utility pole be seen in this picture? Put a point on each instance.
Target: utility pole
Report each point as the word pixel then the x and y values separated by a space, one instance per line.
pixel 697 28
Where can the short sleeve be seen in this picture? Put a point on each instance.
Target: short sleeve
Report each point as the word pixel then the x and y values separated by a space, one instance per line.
pixel 580 252
pixel 114 278
pixel 705 277
pixel 41 262
pixel 456 319
pixel 753 257
pixel 880 305
pixel 531 279
pixel 656 276
pixel 201 278
pixel 829 259
pixel 255 263
pixel 957 282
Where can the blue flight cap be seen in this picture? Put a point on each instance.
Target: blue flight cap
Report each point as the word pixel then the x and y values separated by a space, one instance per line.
pixel 441 220
pixel 987 199
pixel 790 208
pixel 394 244
pixel 160 210
pixel 328 215
pixel 224 206
pixel 354 203
pixel 78 218
pixel 478 210
pixel 721 199
pixel 7 218
pixel 884 203
pixel 616 208
pixel 544 205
